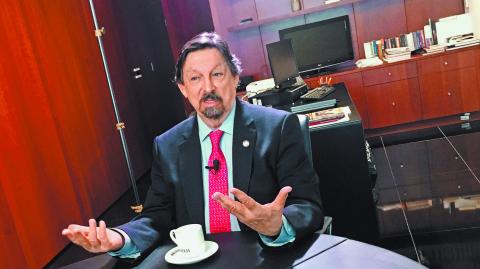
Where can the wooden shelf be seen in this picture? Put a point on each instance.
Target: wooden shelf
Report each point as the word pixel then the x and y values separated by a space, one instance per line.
pixel 302 12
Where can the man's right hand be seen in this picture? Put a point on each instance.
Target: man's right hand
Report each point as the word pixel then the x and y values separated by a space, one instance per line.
pixel 92 238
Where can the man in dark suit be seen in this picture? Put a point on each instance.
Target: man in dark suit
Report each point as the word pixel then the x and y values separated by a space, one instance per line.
pixel 232 166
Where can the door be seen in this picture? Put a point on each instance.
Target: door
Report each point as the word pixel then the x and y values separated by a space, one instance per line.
pixel 141 65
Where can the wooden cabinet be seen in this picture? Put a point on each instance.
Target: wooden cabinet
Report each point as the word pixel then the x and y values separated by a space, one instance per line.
pixel 477 65
pixel 353 82
pixel 448 84
pixel 438 100
pixel 421 88
pixel 447 62
pixel 392 95
pixel 464 82
pixel 393 103
pixel 389 74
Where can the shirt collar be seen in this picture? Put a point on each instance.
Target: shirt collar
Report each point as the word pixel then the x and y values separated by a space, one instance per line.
pixel 226 127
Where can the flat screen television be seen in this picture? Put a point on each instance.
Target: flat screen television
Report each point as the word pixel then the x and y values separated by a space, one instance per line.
pixel 320 45
pixel 283 64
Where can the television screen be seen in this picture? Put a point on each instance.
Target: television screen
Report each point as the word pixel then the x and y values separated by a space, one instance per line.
pixel 320 44
pixel 282 62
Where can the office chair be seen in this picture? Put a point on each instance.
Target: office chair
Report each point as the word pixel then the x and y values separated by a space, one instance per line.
pixel 327 221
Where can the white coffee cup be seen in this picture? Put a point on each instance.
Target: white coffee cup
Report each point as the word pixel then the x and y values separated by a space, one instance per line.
pixel 189 239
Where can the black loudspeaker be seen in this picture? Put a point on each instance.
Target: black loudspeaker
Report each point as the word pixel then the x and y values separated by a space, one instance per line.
pixel 243 82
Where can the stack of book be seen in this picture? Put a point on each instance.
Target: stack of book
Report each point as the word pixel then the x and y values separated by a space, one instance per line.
pixel 435 49
pixel 396 54
pixel 328 116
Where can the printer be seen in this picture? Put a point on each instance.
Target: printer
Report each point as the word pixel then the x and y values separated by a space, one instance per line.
pixel 451 30
pixel 275 97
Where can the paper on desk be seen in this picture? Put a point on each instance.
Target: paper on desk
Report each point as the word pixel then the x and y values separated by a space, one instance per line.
pixel 322 117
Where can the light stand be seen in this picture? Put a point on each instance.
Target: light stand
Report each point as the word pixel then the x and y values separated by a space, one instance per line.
pixel 99 32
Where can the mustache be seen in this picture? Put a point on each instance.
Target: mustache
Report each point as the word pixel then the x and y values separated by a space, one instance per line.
pixel 211 96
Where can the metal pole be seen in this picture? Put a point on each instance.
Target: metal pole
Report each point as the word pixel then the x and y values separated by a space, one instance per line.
pixel 120 125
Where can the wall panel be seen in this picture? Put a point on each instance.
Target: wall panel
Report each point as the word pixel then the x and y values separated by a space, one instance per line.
pixel 61 158
pixel 418 11
pixel 184 20
pixel 377 19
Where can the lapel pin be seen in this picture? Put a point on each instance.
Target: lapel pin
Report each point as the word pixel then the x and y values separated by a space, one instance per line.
pixel 245 143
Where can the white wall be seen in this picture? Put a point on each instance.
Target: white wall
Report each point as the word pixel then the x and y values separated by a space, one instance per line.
pixel 473 7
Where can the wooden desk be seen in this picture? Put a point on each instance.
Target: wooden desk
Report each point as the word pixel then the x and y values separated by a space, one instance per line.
pixel 339 157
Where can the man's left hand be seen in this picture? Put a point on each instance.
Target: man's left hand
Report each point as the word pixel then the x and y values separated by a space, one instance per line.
pixel 265 219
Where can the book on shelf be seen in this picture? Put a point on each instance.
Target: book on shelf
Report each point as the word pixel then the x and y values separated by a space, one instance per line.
pixel 368 51
pixel 379 45
pixel 435 49
pixel 413 41
pixel 374 48
pixel 410 44
pixel 433 30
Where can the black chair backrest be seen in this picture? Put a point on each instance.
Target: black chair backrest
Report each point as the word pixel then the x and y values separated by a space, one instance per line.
pixel 306 134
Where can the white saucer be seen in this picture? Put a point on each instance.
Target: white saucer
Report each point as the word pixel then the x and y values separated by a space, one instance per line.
pixel 177 257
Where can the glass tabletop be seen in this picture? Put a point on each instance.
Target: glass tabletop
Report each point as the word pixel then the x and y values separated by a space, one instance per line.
pixel 427 188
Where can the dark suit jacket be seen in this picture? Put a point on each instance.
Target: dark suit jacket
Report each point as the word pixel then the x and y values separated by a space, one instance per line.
pixel 275 158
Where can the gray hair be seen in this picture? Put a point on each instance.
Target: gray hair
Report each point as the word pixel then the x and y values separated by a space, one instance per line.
pixel 203 41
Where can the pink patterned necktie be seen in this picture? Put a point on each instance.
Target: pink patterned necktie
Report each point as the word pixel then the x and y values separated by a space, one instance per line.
pixel 217 182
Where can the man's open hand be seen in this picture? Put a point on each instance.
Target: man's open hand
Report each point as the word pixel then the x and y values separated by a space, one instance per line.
pixel 92 238
pixel 265 219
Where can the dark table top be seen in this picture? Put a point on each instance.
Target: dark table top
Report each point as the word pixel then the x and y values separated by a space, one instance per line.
pixel 241 250
pixel 352 254
pixel 343 99
pixel 236 250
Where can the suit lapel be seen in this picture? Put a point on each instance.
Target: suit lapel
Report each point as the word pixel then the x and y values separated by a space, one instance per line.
pixel 191 174
pixel 244 138
pixel 190 170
